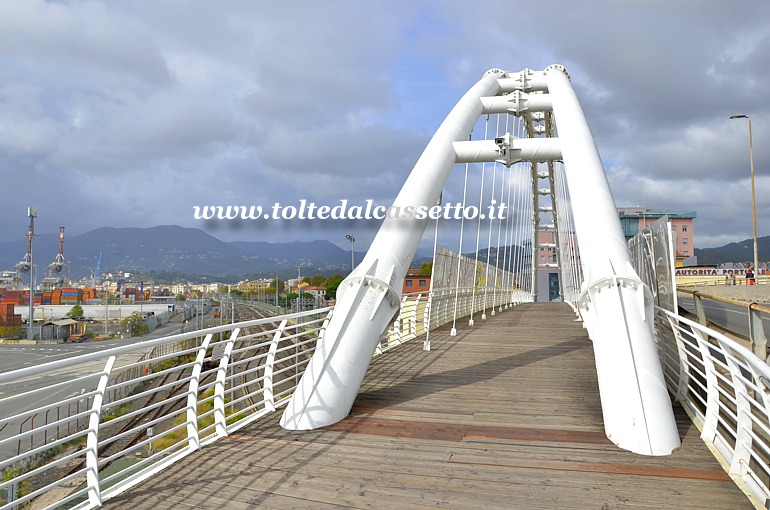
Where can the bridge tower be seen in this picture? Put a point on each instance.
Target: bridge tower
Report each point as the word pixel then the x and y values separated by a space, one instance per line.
pixel 613 302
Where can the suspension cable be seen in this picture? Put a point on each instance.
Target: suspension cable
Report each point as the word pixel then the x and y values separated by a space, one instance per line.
pixel 453 331
pixel 498 286
pixel 489 237
pixel 478 229
pixel 429 305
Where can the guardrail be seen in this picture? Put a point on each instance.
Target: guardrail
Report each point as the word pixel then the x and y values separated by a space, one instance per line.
pixel 138 408
pixel 754 319
pixel 725 389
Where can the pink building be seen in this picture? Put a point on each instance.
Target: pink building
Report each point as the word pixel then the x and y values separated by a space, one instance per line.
pixel 634 219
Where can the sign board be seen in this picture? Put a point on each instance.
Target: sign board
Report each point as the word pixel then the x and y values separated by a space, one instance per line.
pixel 218 351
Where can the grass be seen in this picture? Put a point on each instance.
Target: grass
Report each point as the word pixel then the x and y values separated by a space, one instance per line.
pixel 172 438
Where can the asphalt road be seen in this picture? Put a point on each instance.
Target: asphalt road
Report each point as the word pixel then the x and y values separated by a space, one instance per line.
pixel 731 317
pixel 14 357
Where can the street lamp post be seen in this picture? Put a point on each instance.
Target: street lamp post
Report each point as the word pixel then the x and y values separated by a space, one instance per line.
pixel 753 199
pixel 352 240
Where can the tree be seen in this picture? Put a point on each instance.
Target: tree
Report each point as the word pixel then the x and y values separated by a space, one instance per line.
pixel 279 283
pixel 331 285
pixel 426 269
pixel 318 280
pixel 75 312
pixel 181 297
pixel 135 324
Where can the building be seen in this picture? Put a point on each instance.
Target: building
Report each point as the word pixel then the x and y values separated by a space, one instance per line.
pixel 413 282
pixel 318 293
pixel 634 219
pixel 548 284
pixel 254 286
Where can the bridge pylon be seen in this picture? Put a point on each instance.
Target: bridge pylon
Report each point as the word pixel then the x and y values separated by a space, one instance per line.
pixel 613 302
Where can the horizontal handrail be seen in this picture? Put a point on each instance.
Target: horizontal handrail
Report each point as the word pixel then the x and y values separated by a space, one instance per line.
pixel 755 313
pixel 729 301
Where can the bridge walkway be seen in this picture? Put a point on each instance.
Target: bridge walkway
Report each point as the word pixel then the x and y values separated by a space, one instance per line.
pixel 503 415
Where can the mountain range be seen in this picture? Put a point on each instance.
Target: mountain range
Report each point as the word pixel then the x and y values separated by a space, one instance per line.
pixel 175 249
pixel 741 251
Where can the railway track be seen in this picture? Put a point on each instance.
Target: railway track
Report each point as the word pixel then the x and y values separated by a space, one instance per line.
pixel 125 434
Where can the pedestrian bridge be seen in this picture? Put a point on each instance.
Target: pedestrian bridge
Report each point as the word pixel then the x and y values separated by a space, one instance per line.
pixel 476 393
pixel 505 415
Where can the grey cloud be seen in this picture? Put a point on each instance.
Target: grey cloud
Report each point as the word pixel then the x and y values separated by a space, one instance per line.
pixel 140 110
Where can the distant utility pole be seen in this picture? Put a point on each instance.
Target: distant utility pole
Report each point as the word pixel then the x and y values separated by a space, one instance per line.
pixel 32 213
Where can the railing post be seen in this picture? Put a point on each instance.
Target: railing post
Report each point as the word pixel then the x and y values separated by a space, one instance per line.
pixel 413 317
pixel 92 437
pixel 426 322
pixel 269 363
pixel 683 378
pixel 739 463
pixel 219 387
pixel 711 418
pixel 193 440
pixel 699 310
pixel 757 333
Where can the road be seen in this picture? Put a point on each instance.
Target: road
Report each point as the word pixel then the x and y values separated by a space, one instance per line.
pixel 62 383
pixel 731 317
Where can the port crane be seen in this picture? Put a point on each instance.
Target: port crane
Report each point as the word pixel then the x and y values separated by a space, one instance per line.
pixel 95 274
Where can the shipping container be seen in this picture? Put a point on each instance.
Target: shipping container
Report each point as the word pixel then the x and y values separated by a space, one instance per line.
pixel 9 331
pixel 10 320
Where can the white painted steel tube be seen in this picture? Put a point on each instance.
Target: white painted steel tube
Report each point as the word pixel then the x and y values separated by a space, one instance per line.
pixel 522 149
pixel 526 80
pixel 615 305
pixel 369 297
pixel 516 103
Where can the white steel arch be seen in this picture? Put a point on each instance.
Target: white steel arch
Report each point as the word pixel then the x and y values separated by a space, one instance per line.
pixel 614 303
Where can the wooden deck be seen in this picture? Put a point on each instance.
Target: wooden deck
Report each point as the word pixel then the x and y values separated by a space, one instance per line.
pixel 504 415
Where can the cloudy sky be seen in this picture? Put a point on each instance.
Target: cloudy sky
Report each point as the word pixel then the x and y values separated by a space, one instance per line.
pixel 131 113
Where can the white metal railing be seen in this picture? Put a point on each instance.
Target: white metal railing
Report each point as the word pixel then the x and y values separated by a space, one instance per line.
pixel 422 312
pixel 725 390
pixel 138 408
pixel 754 331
